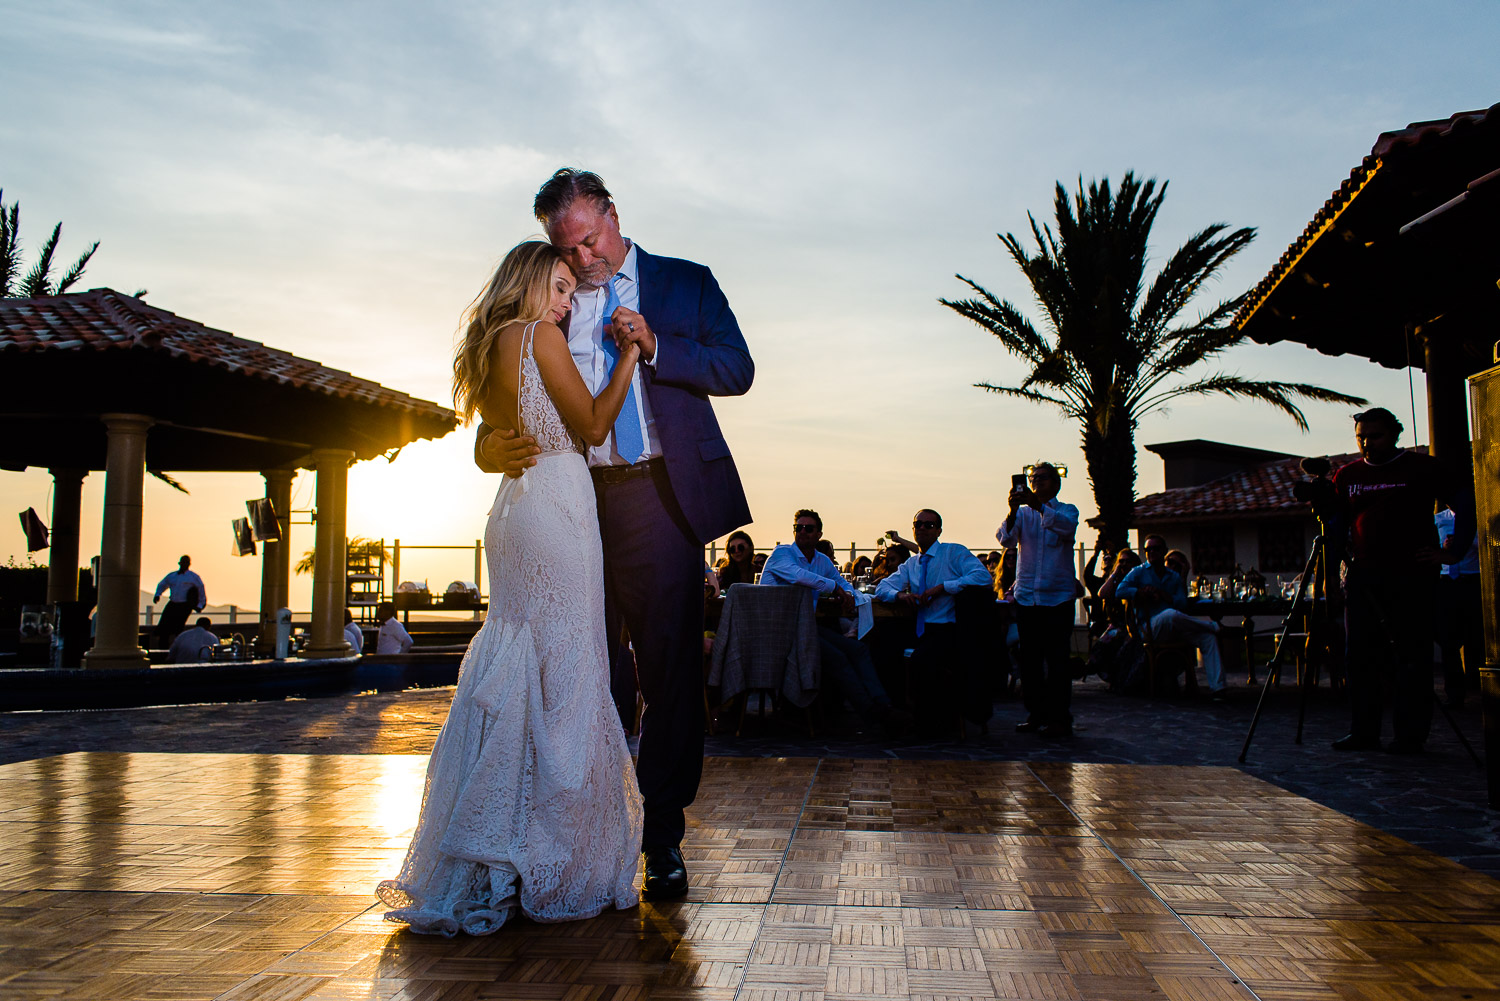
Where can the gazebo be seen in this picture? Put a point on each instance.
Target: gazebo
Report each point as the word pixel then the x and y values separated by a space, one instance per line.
pixel 1401 266
pixel 102 380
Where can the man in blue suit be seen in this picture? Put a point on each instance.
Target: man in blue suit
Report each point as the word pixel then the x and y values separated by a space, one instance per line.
pixel 664 480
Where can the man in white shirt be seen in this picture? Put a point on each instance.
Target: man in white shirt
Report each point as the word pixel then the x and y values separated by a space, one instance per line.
pixel 195 645
pixel 393 637
pixel 927 583
pixel 846 662
pixel 353 634
pixel 1042 528
pixel 185 595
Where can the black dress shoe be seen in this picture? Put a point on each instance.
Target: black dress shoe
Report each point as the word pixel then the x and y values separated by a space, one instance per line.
pixel 666 874
pixel 1030 726
pixel 1354 742
pixel 1056 731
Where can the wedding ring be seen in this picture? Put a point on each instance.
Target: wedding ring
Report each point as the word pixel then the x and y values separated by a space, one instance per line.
pixel 631 327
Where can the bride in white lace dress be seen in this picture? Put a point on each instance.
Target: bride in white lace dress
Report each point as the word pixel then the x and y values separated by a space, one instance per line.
pixel 531 799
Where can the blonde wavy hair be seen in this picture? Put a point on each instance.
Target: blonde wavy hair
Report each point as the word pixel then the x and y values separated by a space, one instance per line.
pixel 520 290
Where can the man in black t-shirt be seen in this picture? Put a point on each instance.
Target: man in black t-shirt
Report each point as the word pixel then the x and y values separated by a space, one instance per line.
pixel 1386 498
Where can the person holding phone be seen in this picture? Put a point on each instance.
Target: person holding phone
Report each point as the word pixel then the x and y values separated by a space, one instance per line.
pixel 1042 528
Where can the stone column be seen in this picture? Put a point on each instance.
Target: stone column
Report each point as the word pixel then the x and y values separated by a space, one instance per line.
pixel 116 635
pixel 62 560
pixel 276 560
pixel 329 562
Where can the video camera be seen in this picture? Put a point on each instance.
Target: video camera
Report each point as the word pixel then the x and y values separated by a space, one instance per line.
pixel 1319 492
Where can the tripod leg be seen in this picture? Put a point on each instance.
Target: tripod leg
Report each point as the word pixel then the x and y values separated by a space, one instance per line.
pixel 1456 731
pixel 1273 669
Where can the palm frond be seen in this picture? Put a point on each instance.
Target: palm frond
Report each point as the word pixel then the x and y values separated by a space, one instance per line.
pixel 1278 394
pixel 1182 277
pixel 1002 319
pixel 75 270
pixel 167 479
pixel 38 280
pixel 10 246
pixel 1031 395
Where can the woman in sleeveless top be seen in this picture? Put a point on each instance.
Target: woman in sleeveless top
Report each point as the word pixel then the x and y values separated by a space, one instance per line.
pixel 531 800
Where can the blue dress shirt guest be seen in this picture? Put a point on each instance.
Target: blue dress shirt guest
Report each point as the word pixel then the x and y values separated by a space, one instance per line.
pixel 185 595
pixel 1042 529
pixel 927 582
pixel 1159 595
pixel 845 661
pixel 1460 617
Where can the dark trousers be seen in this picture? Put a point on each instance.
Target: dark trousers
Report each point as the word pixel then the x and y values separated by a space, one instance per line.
pixel 653 584
pixel 1388 619
pixel 936 672
pixel 173 617
pixel 1046 674
pixel 847 665
pixel 1460 628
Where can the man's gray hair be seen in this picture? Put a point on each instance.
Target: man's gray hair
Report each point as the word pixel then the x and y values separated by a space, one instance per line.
pixel 564 188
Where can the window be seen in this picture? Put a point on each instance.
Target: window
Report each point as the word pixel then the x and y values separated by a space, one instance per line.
pixel 1213 549
pixel 1283 547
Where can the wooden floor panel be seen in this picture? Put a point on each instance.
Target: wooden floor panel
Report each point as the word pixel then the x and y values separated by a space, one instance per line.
pixel 249 876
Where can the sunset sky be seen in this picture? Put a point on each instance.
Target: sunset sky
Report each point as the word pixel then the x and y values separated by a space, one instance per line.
pixel 338 179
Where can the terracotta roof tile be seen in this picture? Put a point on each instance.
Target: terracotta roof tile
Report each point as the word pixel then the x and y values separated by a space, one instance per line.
pixel 1391 147
pixel 106 320
pixel 1260 492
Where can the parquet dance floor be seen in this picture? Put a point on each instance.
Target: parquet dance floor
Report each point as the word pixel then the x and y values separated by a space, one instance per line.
pixel 249 876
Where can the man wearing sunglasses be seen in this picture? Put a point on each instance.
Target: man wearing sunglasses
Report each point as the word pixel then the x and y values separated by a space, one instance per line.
pixel 1043 527
pixel 845 661
pixel 927 583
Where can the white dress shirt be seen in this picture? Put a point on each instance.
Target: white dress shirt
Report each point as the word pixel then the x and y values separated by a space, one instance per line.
pixel 177 583
pixel 1044 565
pixel 393 637
pixel 948 564
pixel 355 635
pixel 787 565
pixel 586 343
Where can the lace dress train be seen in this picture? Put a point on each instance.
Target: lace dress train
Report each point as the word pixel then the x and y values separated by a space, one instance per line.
pixel 531 799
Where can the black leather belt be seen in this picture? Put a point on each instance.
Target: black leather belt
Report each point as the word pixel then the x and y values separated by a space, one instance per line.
pixel 619 474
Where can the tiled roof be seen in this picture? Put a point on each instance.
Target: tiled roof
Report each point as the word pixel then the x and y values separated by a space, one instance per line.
pixel 1389 149
pixel 106 320
pixel 1260 492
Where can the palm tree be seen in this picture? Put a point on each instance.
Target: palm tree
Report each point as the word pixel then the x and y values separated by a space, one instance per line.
pixel 1110 356
pixel 37 281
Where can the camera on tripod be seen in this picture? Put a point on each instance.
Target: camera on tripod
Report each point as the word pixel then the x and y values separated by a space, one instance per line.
pixel 1318 492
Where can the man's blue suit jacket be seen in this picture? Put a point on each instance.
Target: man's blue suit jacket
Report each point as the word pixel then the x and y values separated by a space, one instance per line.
pixel 700 353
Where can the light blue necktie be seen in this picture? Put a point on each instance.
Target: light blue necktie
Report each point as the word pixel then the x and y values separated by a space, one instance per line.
pixel 922 562
pixel 628 425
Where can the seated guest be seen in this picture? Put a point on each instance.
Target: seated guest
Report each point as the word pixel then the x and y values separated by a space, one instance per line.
pixel 1177 560
pixel 353 635
pixel 195 645
pixel 1159 594
pixel 888 561
pixel 1104 655
pixel 1005 574
pixel 859 566
pixel 1094 574
pixel 738 564
pixel 927 582
pixel 826 548
pixel 758 561
pixel 911 547
pixel 846 661
pixel 393 637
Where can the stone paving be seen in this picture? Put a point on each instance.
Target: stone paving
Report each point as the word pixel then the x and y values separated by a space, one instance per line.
pixel 1436 800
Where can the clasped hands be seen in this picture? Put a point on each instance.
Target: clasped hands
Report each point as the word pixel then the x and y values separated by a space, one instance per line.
pixel 512 454
pixel 918 600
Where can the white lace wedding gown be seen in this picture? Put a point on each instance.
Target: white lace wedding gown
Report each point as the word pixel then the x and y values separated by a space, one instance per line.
pixel 531 798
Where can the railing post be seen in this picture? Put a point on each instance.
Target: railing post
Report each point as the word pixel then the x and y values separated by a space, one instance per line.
pixel 478 574
pixel 395 567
